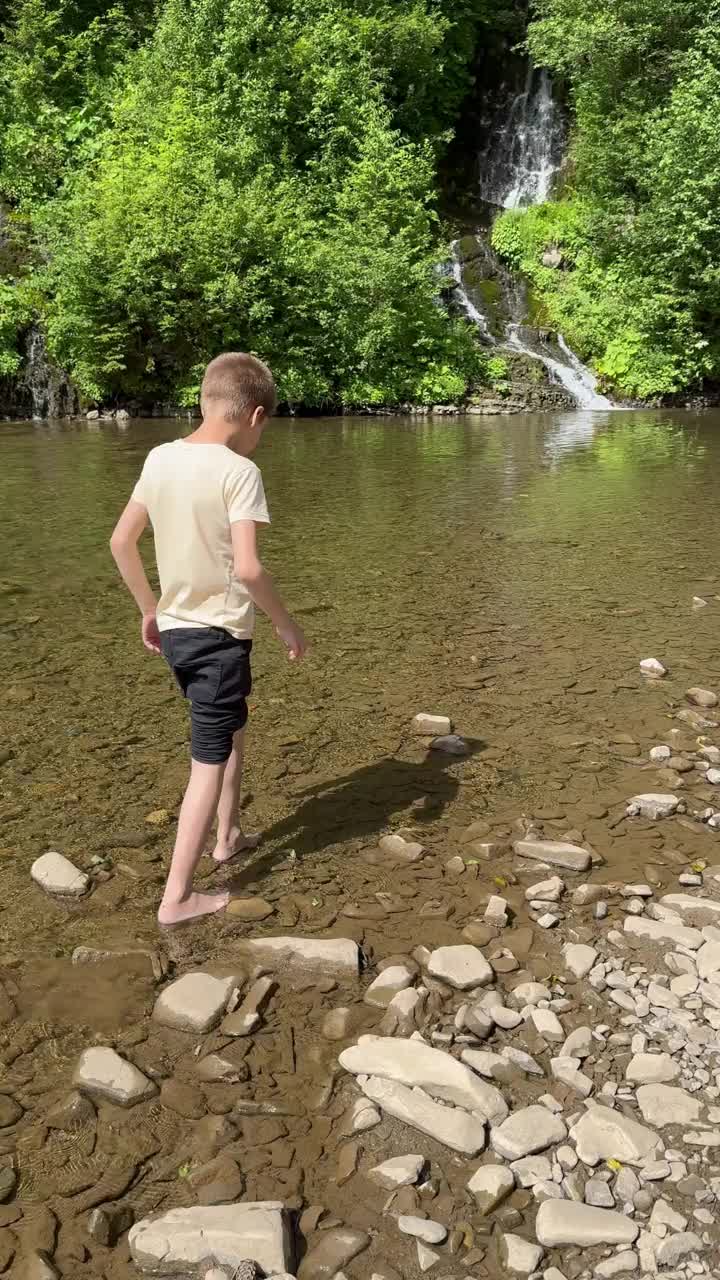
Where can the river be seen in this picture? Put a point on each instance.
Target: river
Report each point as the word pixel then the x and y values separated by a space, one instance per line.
pixel 507 572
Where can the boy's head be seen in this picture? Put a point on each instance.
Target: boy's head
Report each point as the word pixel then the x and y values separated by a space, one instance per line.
pixel 239 389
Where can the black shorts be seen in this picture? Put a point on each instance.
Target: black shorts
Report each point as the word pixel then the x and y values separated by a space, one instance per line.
pixel 213 670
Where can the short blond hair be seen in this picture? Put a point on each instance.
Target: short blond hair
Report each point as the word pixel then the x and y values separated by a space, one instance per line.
pixel 236 384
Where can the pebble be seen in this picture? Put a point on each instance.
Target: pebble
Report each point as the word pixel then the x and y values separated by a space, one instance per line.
pixel 653 668
pixel 546 890
pixel 620 1264
pixel 423 1229
pixel 651 1068
pixel 430 726
pixel 702 697
pixel 565 1070
pixel 387 984
pixel 579 959
pixel 548 1025
pixel 490 1185
pixel 103 1074
pixel 519 1256
pixel 401 1171
pixel 653 805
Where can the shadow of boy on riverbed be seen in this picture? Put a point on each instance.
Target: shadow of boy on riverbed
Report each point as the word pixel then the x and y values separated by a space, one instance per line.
pixel 359 806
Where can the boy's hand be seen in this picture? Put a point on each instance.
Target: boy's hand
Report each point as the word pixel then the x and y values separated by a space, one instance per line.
pixel 293 638
pixel 151 633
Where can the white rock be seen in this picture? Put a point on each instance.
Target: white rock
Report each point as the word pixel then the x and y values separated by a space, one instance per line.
pixel 619 1265
pixel 661 1104
pixel 103 1074
pixel 674 1248
pixel 322 955
pixel 663 1215
pixel 401 1171
pixel 531 1169
pixel 653 667
pixel 636 891
pixel 506 1019
pixel 528 993
pixel 519 1256
pixel 490 1185
pixel 693 910
pixel 563 1222
pixel 423 1229
pixel 546 891
pixel 556 853
pixel 496 912
pixel 396 978
pixel 181 1239
pixel 547 1025
pixel 552 1273
pixel 602 1134
pixel 659 755
pixel 677 935
pixel 418 1065
pixel 564 1070
pixel 519 1058
pixel 398 847
pixel 56 874
pixel 363 1115
pixel 702 697
pixel 527 1131
pixel 485 1063
pixel 579 1044
pixel 655 804
pixel 579 959
pixel 427 1258
pixel 548 920
pixel 196 1002
pixel 431 726
pixel 708 960
pixel 451 1126
pixel 463 967
pixel 651 1068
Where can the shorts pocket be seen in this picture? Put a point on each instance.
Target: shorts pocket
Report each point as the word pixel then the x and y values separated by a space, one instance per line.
pixel 201 682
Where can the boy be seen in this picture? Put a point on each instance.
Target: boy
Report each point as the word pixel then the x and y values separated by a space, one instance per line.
pixel 205 498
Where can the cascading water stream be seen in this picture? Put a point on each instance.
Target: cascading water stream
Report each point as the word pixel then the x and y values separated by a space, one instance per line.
pixel 523 153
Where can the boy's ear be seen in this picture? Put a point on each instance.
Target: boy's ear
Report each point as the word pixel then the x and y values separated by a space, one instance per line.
pixel 258 418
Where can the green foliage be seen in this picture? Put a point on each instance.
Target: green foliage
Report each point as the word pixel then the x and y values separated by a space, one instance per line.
pixel 637 292
pixel 255 174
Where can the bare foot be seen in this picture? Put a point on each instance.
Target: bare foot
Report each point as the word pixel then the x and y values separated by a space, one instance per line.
pixel 238 842
pixel 192 907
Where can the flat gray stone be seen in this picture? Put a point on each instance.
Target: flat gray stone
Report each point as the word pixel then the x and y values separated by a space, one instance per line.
pixel 463 967
pixel 674 1248
pixel 651 1068
pixel 602 1134
pixel 663 1105
pixel 566 1072
pixel 579 1044
pixel 546 890
pixel 708 960
pixel 184 1240
pixel 527 1131
pixel 331 1251
pixel 103 1074
pixel 418 1065
pixel 452 1126
pixel 518 1256
pixel 663 931
pixel 579 958
pixel 196 1002
pixel 692 911
pixel 620 1264
pixel 57 875
pixel 423 1229
pixel 321 955
pixel 556 853
pixel 564 1222
pixel 396 978
pixel 490 1185
pixel 655 804
pixel 400 1171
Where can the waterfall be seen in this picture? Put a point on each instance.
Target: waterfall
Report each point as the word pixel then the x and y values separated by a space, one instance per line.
pixel 51 393
pixel 522 155
pixel 525 146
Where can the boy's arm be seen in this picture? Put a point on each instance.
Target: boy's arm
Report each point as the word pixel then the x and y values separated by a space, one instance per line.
pixel 261 587
pixel 123 545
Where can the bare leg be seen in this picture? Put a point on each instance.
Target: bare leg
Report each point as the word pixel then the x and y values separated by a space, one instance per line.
pixel 196 814
pixel 230 836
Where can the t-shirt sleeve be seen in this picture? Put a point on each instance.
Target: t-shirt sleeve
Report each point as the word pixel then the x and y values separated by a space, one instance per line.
pixel 245 496
pixel 141 492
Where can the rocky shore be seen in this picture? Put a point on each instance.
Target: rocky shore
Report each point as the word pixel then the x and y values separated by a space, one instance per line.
pixel 459 1073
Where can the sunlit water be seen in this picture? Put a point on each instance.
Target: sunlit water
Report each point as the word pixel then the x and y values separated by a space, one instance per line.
pixel 509 572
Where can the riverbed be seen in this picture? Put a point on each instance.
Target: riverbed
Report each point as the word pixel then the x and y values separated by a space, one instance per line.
pixel 509 573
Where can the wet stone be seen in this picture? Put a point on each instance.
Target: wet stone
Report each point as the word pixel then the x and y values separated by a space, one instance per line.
pixel 527 1131
pixel 103 1074
pixel 57 875
pixel 554 853
pixel 10 1111
pixel 184 1239
pixel 490 1185
pixel 519 1256
pixel 195 1002
pixel 401 1171
pixel 332 1250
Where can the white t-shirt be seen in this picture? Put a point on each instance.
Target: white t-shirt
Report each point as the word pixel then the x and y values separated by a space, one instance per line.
pixel 193 493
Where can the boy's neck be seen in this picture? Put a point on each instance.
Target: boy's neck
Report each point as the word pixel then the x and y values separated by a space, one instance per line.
pixel 216 430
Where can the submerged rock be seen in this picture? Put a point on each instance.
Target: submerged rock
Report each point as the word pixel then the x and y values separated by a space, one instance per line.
pixel 556 853
pixel 323 955
pixel 57 875
pixel 653 667
pixel 196 1002
pixel 653 805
